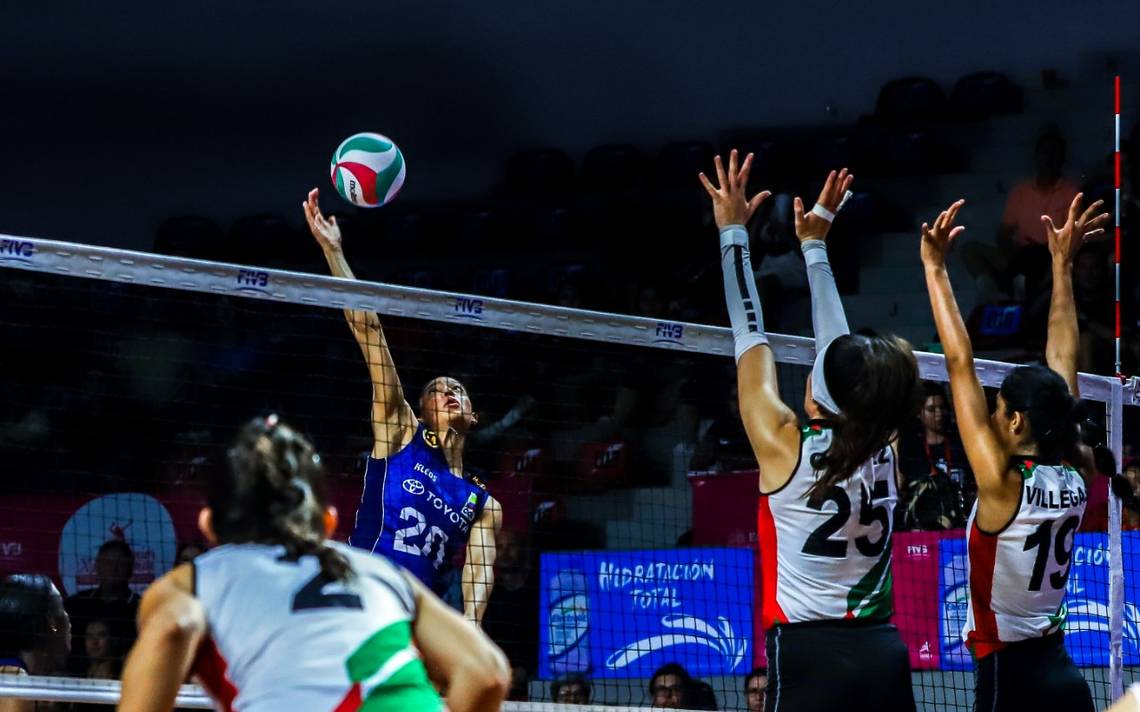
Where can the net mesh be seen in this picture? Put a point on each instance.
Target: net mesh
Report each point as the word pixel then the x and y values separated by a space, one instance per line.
pixel 626 483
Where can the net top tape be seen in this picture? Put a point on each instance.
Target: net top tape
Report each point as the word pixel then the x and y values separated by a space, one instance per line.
pixel 180 273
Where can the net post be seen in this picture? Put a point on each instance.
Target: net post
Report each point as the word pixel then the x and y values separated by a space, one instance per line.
pixel 1115 549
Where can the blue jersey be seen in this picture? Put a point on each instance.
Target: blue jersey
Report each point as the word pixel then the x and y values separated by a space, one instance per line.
pixel 415 511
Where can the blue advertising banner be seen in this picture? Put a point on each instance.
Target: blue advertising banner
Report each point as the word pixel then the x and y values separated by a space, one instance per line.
pixel 1087 625
pixel 622 614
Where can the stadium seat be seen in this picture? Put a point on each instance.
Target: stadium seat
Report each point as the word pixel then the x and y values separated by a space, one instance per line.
pixel 491 282
pixel 910 100
pixel 190 236
pixel 678 163
pixel 544 175
pixel 614 169
pixel 266 240
pixel 984 94
pixel 487 226
pixel 602 466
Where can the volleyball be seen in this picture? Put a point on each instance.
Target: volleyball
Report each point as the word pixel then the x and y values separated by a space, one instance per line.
pixel 368 170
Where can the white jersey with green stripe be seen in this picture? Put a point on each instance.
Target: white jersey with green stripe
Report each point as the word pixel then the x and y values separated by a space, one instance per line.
pixel 829 560
pixel 1018 575
pixel 283 636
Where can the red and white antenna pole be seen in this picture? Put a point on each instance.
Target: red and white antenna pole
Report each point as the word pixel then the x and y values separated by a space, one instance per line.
pixel 1116 177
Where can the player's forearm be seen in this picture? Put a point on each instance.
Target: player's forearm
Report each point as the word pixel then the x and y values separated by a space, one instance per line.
pixel 740 293
pixel 478 581
pixel 156 668
pixel 338 265
pixel 1063 340
pixel 828 319
pixel 474 688
pixel 948 319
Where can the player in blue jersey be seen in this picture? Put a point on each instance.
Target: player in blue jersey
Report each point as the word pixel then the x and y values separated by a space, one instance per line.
pixel 419 507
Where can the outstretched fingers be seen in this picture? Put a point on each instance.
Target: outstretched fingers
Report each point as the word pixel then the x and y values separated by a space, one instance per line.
pixel 757 200
pixel 721 178
pixel 709 188
pixel 1074 209
pixel 1090 211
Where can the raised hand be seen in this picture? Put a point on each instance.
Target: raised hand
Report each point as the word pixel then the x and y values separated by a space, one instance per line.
pixel 810 226
pixel 327 231
pixel 1064 243
pixel 936 239
pixel 730 206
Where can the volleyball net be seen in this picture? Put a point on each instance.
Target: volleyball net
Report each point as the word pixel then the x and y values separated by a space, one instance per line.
pixel 612 443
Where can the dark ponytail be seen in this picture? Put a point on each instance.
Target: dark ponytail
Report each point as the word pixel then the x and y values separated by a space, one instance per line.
pixel 1054 415
pixel 272 492
pixel 874 381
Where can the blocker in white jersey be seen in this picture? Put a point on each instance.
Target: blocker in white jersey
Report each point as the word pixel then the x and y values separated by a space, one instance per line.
pixel 831 560
pixel 283 636
pixel 1018 574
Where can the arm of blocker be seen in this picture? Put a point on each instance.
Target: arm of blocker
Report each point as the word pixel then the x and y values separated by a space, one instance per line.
pixel 828 319
pixel 740 295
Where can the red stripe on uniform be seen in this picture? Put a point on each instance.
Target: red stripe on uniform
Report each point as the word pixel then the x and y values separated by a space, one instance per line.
pixel 1116 93
pixel 771 613
pixel 210 667
pixel 352 700
pixel 983 640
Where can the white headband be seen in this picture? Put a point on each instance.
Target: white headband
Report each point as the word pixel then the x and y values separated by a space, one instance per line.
pixel 819 392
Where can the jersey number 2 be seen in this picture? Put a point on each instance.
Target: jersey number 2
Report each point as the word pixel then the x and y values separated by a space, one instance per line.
pixel 820 543
pixel 402 544
pixel 312 596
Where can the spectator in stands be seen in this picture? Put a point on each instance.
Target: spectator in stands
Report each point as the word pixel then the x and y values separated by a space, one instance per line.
pixel 702 696
pixel 781 273
pixel 511 618
pixel 670 686
pixel 571 689
pixel 1018 263
pixel 111 600
pixel 520 684
pixel 1131 519
pixel 35 632
pixel 937 486
pixel 724 445
pixel 755 689
pixel 103 662
pixel 1093 290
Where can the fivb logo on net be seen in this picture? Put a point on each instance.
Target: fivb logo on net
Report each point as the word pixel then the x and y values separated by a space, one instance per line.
pixel 468 308
pixel 669 332
pixel 12 250
pixel 253 281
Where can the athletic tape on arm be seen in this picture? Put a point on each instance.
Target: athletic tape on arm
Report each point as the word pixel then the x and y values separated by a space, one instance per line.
pixel 827 317
pixel 740 295
pixel 827 214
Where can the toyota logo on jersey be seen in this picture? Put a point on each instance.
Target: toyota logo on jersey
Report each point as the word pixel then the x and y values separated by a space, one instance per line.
pixel 413 487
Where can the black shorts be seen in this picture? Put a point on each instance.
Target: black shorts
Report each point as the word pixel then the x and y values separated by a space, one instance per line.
pixel 1033 675
pixel 830 666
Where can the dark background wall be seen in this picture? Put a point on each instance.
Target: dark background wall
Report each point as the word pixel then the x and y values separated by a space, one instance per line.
pixel 115 115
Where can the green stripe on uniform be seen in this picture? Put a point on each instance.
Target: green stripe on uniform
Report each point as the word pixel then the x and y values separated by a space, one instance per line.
pixel 880 604
pixel 405 688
